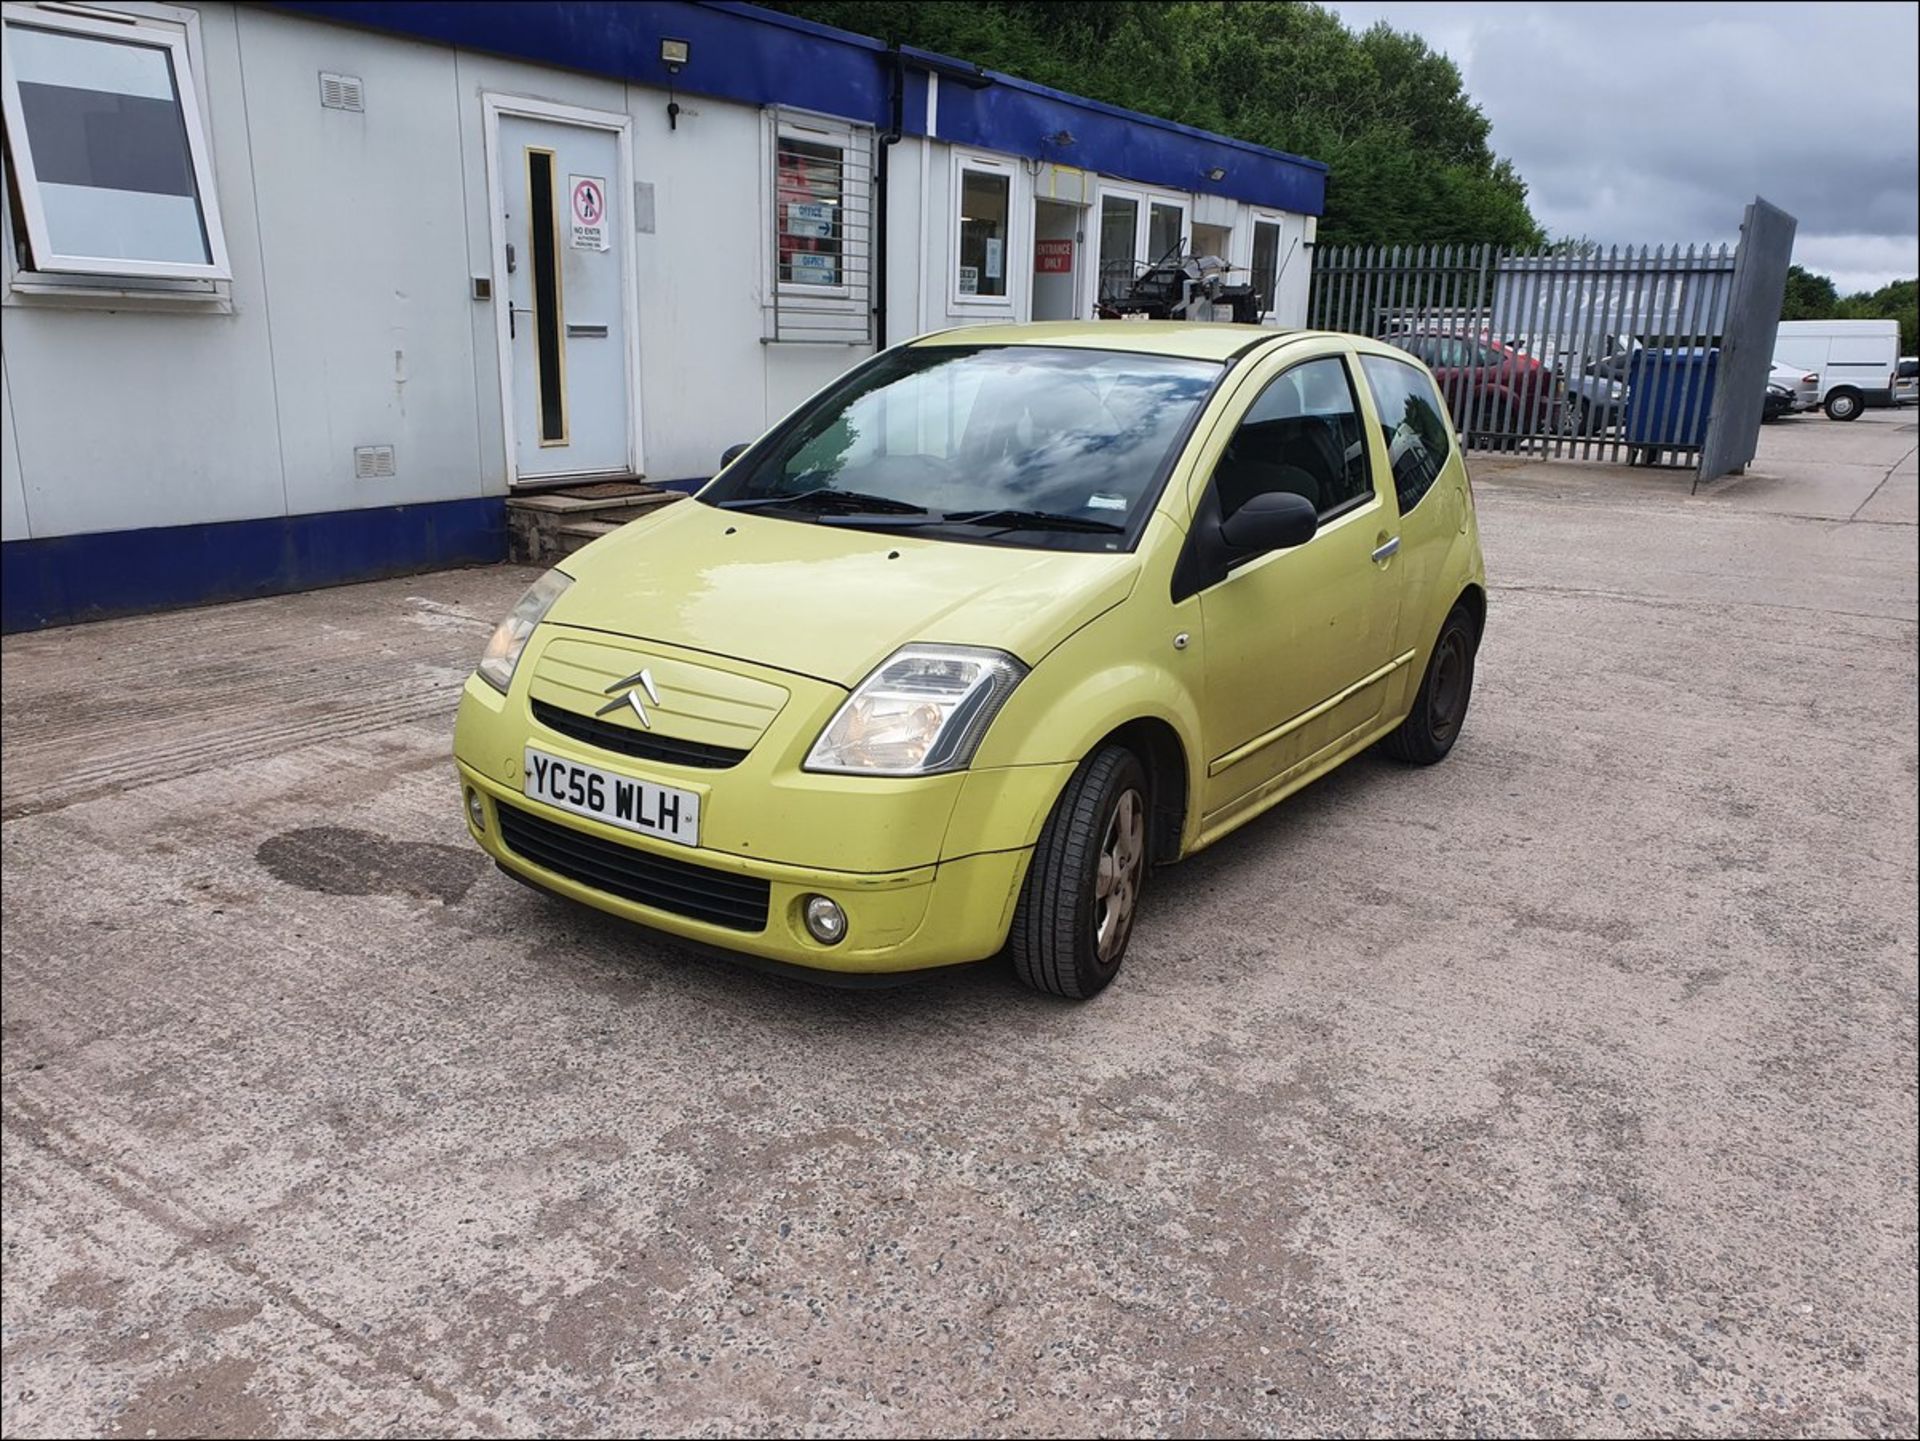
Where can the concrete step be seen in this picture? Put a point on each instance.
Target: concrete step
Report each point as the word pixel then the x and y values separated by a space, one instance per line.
pixel 545 525
pixel 636 506
pixel 574 534
pixel 560 502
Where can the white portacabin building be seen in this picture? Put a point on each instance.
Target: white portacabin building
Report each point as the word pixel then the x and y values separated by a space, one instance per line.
pixel 299 294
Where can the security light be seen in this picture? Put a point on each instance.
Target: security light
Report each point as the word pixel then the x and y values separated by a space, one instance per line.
pixel 1218 173
pixel 674 54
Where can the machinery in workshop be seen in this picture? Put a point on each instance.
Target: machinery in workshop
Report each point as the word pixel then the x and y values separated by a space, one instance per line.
pixel 1191 287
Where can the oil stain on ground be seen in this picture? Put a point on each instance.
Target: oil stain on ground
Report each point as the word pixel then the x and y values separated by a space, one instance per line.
pixel 342 861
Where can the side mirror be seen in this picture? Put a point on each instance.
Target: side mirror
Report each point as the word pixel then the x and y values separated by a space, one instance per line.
pixel 732 453
pixel 1276 520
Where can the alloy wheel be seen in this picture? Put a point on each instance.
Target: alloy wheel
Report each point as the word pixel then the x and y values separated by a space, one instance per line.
pixel 1123 853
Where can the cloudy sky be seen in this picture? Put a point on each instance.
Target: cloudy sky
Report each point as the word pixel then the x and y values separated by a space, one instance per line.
pixel 1655 123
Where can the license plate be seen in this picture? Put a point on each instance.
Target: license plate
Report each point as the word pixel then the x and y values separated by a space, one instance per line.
pixel 651 810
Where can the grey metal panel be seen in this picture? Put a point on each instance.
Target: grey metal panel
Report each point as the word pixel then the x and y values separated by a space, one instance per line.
pixel 1746 351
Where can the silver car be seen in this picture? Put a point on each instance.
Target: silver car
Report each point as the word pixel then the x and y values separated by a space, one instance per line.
pixel 1803 385
pixel 1906 381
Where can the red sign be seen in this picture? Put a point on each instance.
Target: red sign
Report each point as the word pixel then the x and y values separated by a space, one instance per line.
pixel 1053 257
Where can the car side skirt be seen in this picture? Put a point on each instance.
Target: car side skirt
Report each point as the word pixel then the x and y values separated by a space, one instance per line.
pixel 1267 795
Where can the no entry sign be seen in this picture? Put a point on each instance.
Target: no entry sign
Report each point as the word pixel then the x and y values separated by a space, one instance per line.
pixel 589 194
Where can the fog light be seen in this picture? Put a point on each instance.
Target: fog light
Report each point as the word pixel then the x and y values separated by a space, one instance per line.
pixel 476 812
pixel 826 922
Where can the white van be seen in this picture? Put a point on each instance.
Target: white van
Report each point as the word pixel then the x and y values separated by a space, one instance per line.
pixel 1855 360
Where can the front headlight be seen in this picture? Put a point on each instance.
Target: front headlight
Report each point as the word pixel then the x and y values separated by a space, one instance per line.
pixel 510 636
pixel 923 711
pixel 1615 390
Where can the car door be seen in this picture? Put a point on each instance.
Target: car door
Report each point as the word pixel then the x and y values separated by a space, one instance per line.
pixel 1429 481
pixel 1298 643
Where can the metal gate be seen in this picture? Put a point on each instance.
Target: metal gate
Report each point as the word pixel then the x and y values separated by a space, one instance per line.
pixel 1746 355
pixel 1643 354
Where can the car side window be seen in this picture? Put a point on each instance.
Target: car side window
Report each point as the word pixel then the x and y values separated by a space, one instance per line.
pixel 1303 434
pixel 1414 424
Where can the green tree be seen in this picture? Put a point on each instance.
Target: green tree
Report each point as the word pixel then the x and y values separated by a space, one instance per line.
pixel 1809 296
pixel 1898 300
pixel 1406 147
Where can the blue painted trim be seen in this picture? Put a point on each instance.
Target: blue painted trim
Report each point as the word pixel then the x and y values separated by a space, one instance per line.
pixel 759 57
pixel 736 53
pixel 1021 118
pixel 68 578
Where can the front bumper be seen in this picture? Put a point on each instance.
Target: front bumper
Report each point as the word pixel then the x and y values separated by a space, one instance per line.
pixel 927 869
pixel 938 915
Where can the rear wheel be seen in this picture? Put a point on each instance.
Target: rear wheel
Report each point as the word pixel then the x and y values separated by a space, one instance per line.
pixel 1845 405
pixel 1440 707
pixel 1077 907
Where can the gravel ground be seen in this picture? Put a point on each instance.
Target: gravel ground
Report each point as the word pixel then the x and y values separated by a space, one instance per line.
pixel 1567 1087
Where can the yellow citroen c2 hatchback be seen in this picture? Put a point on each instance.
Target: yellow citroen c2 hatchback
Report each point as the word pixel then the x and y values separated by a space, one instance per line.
pixel 949 660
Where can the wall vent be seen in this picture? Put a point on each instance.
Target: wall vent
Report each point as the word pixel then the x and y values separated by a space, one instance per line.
pixel 341 92
pixel 373 462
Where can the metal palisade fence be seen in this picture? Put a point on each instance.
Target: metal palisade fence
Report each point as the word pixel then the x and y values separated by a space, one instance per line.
pixel 1613 354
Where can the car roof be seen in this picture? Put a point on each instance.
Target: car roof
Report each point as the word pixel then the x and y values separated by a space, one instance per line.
pixel 1190 339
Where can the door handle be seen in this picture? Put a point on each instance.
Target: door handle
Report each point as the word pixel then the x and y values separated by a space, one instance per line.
pixel 1386 550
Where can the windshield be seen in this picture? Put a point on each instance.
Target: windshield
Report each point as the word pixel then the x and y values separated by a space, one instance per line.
pixel 1020 444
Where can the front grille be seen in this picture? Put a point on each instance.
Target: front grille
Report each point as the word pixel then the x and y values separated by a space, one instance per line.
pixel 629 742
pixel 700 892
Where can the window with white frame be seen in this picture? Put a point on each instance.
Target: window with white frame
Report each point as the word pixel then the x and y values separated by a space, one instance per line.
pixel 822 220
pixel 106 147
pixel 810 230
pixel 983 238
pixel 1266 262
pixel 1166 231
pixel 1137 230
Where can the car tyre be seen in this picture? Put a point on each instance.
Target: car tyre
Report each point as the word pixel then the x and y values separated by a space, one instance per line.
pixel 1440 707
pixel 1082 893
pixel 1845 405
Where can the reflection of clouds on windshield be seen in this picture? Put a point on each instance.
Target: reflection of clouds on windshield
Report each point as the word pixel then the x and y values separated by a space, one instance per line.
pixel 1145 413
pixel 955 428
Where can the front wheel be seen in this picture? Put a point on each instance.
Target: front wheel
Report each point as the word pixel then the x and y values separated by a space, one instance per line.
pixel 1844 405
pixel 1440 707
pixel 1077 907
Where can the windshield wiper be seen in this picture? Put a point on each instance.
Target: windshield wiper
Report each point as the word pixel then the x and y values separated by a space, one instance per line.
pixel 1033 520
pixel 826 498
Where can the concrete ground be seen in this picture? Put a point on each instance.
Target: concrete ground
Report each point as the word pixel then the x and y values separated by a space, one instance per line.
pixel 1567 1087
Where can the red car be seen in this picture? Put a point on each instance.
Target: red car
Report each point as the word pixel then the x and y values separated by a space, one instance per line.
pixel 1497 394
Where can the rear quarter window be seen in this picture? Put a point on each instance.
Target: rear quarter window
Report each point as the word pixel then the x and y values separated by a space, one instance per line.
pixel 1413 423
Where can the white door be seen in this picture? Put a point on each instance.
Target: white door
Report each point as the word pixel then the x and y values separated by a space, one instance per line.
pixel 1056 259
pixel 565 232
pixel 1137 230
